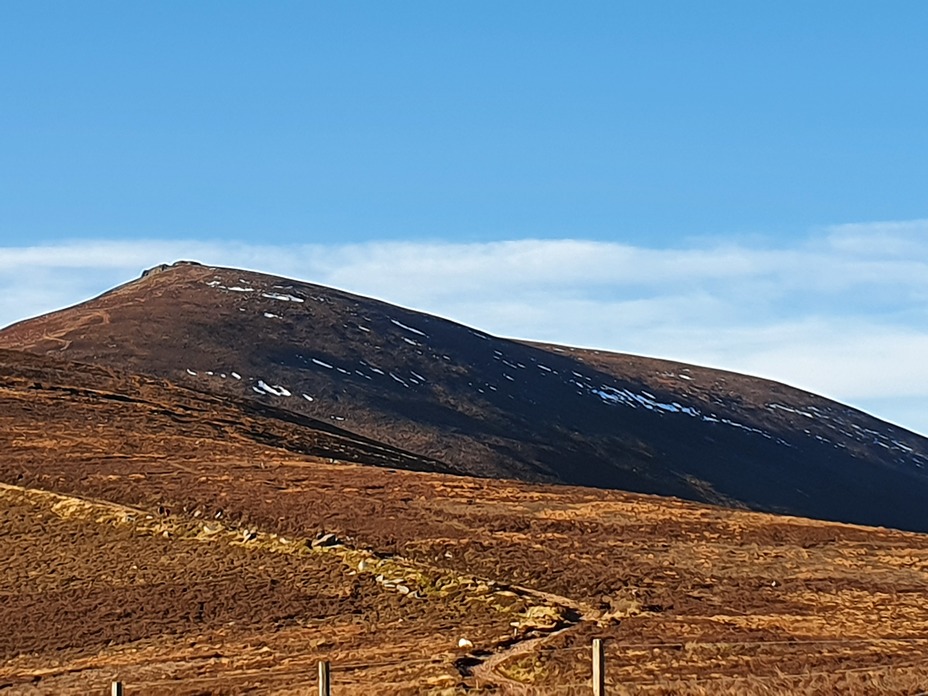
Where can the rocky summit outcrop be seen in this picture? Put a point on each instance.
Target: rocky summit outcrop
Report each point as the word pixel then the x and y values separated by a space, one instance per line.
pixel 472 403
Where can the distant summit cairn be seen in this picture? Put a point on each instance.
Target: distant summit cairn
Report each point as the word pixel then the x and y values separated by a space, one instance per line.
pixel 154 270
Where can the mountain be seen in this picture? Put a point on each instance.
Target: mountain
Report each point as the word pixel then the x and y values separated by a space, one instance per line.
pixel 192 543
pixel 456 399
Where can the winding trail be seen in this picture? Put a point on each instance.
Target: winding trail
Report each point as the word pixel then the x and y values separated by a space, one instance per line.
pixel 487 670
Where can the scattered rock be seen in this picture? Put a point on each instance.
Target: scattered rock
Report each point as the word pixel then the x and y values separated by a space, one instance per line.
pixel 325 540
pixel 155 269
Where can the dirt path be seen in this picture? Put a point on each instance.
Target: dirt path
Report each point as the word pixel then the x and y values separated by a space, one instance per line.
pixel 487 672
pixel 585 611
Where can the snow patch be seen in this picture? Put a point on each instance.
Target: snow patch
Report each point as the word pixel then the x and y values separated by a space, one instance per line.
pixel 647 400
pixel 233 288
pixel 409 328
pixel 279 296
pixel 399 379
pixel 276 390
pixel 780 407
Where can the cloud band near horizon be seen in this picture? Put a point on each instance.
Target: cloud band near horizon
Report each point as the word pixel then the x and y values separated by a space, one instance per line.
pixel 844 313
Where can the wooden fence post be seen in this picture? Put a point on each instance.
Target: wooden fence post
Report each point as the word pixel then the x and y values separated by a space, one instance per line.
pixel 599 668
pixel 116 688
pixel 325 684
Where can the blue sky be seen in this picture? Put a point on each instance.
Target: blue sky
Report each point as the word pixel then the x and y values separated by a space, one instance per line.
pixel 706 142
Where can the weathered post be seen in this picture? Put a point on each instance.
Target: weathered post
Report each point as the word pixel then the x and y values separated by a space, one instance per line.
pixel 325 683
pixel 599 668
pixel 116 688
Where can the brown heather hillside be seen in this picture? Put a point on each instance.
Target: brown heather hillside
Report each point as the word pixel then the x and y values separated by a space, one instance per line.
pixel 180 542
pixel 472 403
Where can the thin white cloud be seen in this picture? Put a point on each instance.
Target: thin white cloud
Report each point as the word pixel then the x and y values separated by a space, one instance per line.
pixel 908 238
pixel 843 313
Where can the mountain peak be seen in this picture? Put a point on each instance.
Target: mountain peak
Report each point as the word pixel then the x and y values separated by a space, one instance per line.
pixel 161 267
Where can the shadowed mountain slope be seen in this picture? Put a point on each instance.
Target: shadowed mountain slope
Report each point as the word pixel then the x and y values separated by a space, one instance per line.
pixel 98 413
pixel 472 403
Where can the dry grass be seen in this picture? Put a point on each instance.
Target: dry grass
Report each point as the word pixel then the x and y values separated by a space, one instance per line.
pixel 691 599
pixel 94 590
